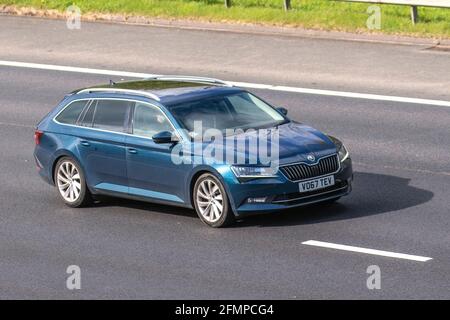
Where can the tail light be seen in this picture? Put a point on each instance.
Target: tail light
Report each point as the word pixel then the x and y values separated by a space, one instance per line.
pixel 37 136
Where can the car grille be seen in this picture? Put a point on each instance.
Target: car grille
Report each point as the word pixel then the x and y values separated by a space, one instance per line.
pixel 301 171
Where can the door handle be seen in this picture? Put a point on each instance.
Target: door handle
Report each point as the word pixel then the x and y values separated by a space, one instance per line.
pixel 133 151
pixel 85 143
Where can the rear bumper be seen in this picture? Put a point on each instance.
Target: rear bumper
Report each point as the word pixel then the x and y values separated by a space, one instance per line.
pixel 285 194
pixel 42 170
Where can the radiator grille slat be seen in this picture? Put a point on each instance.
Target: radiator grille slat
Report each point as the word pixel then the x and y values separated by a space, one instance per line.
pixel 301 171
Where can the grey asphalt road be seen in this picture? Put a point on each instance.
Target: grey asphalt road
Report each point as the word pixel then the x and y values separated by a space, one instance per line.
pixel 412 71
pixel 128 249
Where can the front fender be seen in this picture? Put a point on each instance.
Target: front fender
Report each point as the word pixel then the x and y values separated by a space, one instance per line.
pixel 221 172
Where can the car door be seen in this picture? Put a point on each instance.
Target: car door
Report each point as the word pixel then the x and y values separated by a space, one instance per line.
pixel 151 172
pixel 102 144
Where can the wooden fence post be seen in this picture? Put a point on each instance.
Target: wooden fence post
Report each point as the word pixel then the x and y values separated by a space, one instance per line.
pixel 227 3
pixel 414 14
pixel 287 5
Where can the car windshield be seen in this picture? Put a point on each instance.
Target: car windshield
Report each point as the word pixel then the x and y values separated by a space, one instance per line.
pixel 235 111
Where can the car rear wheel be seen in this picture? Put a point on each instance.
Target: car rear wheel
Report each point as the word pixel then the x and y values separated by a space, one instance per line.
pixel 71 184
pixel 211 202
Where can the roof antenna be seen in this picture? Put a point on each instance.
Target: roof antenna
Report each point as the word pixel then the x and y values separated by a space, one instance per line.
pixel 111 83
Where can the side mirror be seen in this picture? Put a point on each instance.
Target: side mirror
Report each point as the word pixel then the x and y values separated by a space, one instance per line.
pixel 282 110
pixel 164 137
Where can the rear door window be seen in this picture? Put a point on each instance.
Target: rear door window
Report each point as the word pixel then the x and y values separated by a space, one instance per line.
pixel 111 115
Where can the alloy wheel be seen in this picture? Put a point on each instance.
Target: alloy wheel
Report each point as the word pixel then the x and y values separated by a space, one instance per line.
pixel 209 200
pixel 69 181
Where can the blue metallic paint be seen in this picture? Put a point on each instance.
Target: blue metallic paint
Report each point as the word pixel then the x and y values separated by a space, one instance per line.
pixel 150 175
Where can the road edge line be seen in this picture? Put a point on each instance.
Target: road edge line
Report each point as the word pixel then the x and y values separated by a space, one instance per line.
pixel 344 94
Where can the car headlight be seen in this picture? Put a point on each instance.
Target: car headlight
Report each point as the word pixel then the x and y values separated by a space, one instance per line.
pixel 343 153
pixel 342 150
pixel 254 172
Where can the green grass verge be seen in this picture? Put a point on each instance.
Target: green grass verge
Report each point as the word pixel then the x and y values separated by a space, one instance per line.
pixel 314 14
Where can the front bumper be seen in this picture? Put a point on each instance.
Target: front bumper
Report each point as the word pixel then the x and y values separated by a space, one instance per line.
pixel 281 193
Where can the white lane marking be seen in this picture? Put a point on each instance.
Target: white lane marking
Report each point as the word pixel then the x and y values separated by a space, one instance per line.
pixel 54 67
pixel 345 94
pixel 366 250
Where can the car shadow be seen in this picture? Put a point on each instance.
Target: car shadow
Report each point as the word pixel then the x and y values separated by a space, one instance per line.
pixel 372 194
pixel 108 201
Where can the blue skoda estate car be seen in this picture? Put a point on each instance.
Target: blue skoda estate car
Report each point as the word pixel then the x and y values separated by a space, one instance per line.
pixel 141 140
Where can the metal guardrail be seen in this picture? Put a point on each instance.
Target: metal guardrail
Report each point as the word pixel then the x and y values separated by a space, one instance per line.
pixel 286 4
pixel 418 3
pixel 413 3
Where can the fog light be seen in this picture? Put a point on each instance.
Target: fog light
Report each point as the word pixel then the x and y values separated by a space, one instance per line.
pixel 256 200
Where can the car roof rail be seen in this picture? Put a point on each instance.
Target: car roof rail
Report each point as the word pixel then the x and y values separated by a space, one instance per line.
pixel 118 90
pixel 191 79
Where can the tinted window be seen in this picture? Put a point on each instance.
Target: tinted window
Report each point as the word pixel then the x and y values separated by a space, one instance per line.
pixel 71 113
pixel 88 116
pixel 241 110
pixel 149 120
pixel 111 114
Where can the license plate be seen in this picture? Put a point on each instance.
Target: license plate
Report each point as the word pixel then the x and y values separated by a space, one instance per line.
pixel 316 184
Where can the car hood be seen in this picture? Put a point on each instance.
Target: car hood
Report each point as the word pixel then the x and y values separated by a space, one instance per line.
pixel 295 142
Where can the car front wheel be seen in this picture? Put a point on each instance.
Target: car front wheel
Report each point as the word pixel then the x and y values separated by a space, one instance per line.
pixel 211 202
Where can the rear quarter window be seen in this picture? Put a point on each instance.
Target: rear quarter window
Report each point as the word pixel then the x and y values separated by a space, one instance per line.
pixel 72 112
